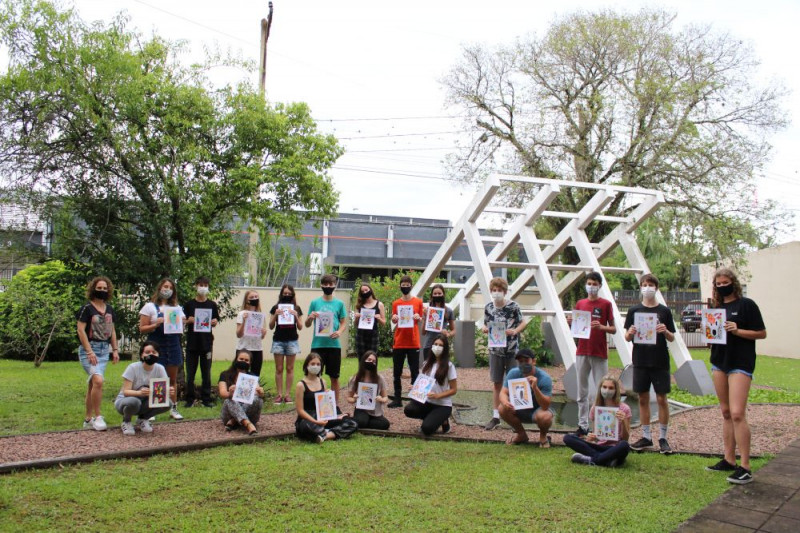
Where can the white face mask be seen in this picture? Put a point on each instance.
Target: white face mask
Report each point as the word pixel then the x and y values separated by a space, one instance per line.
pixel 607 393
pixel 202 291
pixel 437 350
pixel 498 296
pixel 165 293
pixel 648 292
pixel 314 369
pixel 592 290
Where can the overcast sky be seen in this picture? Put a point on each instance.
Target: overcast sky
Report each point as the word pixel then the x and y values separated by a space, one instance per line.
pixel 370 72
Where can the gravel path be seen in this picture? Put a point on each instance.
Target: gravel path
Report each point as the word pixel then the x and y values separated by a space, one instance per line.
pixel 697 430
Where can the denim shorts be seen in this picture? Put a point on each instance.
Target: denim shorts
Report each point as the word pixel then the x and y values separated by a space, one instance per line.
pixel 102 351
pixel 285 347
pixel 734 371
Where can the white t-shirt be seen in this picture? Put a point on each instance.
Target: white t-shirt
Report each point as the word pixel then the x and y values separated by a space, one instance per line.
pixel 451 375
pixel 151 310
pixel 139 377
pixel 246 342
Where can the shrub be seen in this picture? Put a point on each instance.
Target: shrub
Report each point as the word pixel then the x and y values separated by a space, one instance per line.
pixel 531 337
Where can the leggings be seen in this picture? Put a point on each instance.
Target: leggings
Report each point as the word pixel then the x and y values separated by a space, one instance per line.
pixel 601 455
pixel 341 427
pixel 131 405
pixel 432 416
pixel 239 411
pixel 368 421
pixel 398 358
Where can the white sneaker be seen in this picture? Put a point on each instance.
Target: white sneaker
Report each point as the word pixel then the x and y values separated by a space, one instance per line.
pixel 127 429
pixel 99 424
pixel 88 424
pixel 175 414
pixel 144 425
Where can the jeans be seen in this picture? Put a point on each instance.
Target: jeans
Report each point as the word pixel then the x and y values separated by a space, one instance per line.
pixel 193 359
pixel 601 455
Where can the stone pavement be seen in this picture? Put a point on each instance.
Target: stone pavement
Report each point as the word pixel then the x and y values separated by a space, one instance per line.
pixel 770 503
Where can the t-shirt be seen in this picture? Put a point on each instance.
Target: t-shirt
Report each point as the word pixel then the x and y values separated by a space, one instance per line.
pixel 229 377
pixel 377 308
pixel 625 410
pixel 286 332
pixel 407 338
pixel 543 381
pixel 511 314
pixel 738 353
pixel 378 411
pixel 139 377
pixel 251 343
pixel 430 336
pixel 199 341
pixel 651 355
pixel 98 325
pixel 596 345
pixel 339 311
pixel 154 311
pixel 451 375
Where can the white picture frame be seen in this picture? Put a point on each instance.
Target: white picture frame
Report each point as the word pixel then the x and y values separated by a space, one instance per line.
pixel 606 424
pixel 422 386
pixel 367 318
pixel 367 396
pixel 713 326
pixel 434 319
pixel 245 391
pixel 405 316
pixel 202 321
pixel 173 320
pixel 581 326
pixel 159 392
pixel 325 404
pixel 285 317
pixel 253 324
pixel 520 394
pixel 645 328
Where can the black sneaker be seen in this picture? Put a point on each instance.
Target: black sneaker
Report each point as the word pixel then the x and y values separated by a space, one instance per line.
pixel 721 466
pixel 664 447
pixel 208 404
pixel 491 424
pixel 641 444
pixel 188 405
pixel 740 476
pixel 394 404
pixel 581 432
pixel 446 426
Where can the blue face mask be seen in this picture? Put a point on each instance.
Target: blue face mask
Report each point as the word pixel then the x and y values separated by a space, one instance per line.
pixel 526 368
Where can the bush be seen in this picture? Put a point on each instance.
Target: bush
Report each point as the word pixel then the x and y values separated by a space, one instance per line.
pixel 531 337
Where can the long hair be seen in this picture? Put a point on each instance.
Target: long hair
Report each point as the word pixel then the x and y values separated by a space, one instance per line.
pixel 444 361
pixel 441 288
pixel 599 400
pixel 364 375
pixel 310 357
pixel 92 284
pixel 244 300
pixel 233 372
pixel 360 300
pixel 728 273
pixel 280 294
pixel 172 300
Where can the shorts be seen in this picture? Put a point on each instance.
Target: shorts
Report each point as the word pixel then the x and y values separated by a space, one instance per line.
pixel 285 347
pixel 734 371
pixel 499 366
pixel 102 351
pixel 331 361
pixel 643 376
pixel 526 416
pixel 170 355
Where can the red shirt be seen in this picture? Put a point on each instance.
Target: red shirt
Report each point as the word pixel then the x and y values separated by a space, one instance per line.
pixel 596 344
pixel 405 338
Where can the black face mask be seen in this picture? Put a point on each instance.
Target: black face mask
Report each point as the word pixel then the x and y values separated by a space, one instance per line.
pixel 286 299
pixel 725 290
pixel 437 300
pixel 365 295
pixel 405 290
pixel 100 295
pixel 150 359
pixel 525 368
pixel 328 290
pixel 371 367
pixel 253 302
pixel 242 366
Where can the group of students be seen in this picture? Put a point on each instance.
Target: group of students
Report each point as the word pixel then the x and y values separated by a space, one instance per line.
pixel 733 364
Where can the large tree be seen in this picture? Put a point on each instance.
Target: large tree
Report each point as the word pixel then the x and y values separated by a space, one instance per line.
pixel 147 169
pixel 627 99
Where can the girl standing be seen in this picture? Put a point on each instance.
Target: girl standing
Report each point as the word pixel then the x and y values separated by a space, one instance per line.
pixel 367 339
pixel 435 412
pixel 307 427
pixel 251 343
pixel 368 373
pixel 237 413
pixel 285 345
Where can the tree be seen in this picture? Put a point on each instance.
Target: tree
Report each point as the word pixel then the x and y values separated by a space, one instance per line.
pixel 147 169
pixel 627 99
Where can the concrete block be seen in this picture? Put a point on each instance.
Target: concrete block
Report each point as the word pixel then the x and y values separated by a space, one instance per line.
pixel 694 377
pixel 464 344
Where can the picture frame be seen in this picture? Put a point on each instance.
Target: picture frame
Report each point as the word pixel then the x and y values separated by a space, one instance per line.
pixel 202 321
pixel 325 403
pixel 245 391
pixel 422 386
pixel 173 320
pixel 159 392
pixel 645 328
pixel 713 326
pixel 285 318
pixel 323 325
pixel 606 425
pixel 497 334
pixel 253 324
pixel 581 326
pixel 405 316
pixel 434 321
pixel 367 396
pixel 520 394
pixel 367 319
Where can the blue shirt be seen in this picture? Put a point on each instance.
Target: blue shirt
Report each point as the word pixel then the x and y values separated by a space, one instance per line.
pixel 544 382
pixel 339 311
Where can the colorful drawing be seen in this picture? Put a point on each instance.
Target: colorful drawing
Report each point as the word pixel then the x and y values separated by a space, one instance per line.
pixel 422 386
pixel 405 316
pixel 245 391
pixel 173 320
pixel 367 319
pixel 285 317
pixel 325 402
pixel 323 324
pixel 253 324
pixel 606 425
pixel 367 392
pixel 581 324
pixel 202 321
pixel 520 394
pixel 645 328
pixel 159 392
pixel 713 326
pixel 435 319
pixel 497 334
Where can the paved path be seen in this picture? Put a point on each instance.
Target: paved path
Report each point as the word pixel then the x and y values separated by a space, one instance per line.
pixel 770 503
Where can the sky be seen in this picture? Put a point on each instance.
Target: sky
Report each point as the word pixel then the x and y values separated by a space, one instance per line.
pixel 370 72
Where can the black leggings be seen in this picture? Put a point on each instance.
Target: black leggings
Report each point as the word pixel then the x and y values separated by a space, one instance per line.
pixel 341 427
pixel 367 421
pixel 432 416
pixel 256 362
pixel 398 358
pixel 601 455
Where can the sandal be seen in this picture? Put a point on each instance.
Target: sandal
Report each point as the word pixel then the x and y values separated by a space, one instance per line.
pixel 512 440
pixel 446 426
pixel 250 428
pixel 278 401
pixel 546 443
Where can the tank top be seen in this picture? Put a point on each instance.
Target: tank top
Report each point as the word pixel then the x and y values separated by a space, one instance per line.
pixel 377 309
pixel 309 405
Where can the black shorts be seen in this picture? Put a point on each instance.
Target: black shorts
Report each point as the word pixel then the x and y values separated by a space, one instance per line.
pixel 331 361
pixel 658 377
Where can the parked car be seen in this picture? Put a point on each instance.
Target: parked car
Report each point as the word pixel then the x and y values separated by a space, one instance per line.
pixel 691 317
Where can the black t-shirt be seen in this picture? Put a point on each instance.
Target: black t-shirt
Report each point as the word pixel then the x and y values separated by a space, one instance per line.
pixel 199 341
pixel 286 332
pixel 377 308
pixel 98 325
pixel 738 353
pixel 652 355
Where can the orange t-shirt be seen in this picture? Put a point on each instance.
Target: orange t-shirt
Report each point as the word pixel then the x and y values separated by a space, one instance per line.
pixel 405 338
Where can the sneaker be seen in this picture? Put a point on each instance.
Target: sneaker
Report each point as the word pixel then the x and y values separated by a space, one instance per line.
pixel 446 426
pixel 99 424
pixel 127 429
pixel 287 399
pixel 175 414
pixel 87 424
pixel 188 405
pixel 491 424
pixel 664 447
pixel 278 401
pixel 581 432
pixel 721 466
pixel 581 459
pixel 394 404
pixel 321 438
pixel 641 444
pixel 740 476
pixel 208 404
pixel 144 425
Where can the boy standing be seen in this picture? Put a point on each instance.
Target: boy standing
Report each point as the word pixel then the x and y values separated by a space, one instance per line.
pixel 406 340
pixel 199 344
pixel 651 363
pixel 329 347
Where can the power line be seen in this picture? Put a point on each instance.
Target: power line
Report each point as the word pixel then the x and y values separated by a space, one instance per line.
pixel 435 117
pixel 398 150
pixel 393 135
pixel 390 172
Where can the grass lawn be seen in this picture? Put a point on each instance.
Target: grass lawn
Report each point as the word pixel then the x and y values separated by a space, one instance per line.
pixel 364 484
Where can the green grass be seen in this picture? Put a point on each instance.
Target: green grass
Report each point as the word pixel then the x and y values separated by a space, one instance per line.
pixel 366 483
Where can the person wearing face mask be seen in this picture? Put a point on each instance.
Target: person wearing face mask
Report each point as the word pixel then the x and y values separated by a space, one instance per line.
pixel 307 427
pixel 503 311
pixel 367 339
pixel 406 340
pixel 368 373
pixel 199 344
pixel 251 303
pixel 151 321
pixel 98 340
pixel 542 389
pixel 651 364
pixel 592 353
pixel 449 324
pixel 591 451
pixel 237 413
pixel 732 367
pixel 134 396
pixel 435 412
pixel 329 348
pixel 285 345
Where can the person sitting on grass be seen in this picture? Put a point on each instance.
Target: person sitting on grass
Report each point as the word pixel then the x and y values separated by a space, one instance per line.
pixel 542 393
pixel 594 451
pixel 307 427
pixel 368 373
pixel 435 412
pixel 237 413
pixel 134 396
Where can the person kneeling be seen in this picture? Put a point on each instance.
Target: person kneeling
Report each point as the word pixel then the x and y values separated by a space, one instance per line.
pixel 542 392
pixel 237 413
pixel 368 373
pixel 593 451
pixel 435 412
pixel 307 427
pixel 133 397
